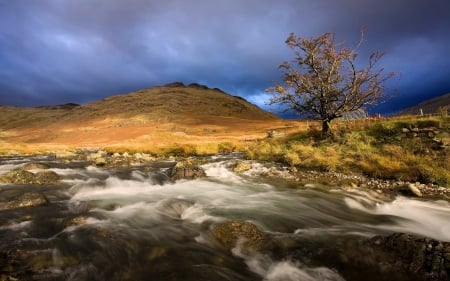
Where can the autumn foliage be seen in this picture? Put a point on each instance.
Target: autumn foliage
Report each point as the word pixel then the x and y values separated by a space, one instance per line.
pixel 324 81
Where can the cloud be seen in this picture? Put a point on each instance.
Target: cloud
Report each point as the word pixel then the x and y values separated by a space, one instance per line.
pixel 78 51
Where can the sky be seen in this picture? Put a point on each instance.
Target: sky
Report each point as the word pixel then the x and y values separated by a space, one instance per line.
pixel 61 51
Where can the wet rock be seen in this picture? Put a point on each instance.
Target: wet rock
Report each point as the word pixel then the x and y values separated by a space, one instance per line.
pixel 242 167
pixel 249 237
pixel 186 170
pixel 35 166
pixel 21 176
pixel 17 177
pixel 402 256
pixel 423 256
pixel 29 199
pixel 79 220
pixel 46 177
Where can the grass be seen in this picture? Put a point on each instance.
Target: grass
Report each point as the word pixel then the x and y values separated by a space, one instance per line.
pixel 185 121
pixel 377 149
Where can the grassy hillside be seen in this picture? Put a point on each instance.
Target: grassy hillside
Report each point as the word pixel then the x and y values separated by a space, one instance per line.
pixel 150 119
pixel 402 148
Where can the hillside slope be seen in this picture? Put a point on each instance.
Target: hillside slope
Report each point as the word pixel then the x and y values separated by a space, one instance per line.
pixel 429 106
pixel 154 117
pixel 175 102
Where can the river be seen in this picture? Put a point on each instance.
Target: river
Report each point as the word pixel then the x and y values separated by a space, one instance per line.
pixel 134 224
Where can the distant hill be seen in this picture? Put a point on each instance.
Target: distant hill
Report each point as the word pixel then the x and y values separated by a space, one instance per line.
pixel 429 106
pixel 173 113
pixel 172 102
pixel 176 101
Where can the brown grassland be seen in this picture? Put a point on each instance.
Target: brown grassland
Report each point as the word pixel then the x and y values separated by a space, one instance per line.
pixel 183 119
pixel 195 120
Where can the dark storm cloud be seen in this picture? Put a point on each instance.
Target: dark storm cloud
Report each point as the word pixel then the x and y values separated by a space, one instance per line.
pixel 77 51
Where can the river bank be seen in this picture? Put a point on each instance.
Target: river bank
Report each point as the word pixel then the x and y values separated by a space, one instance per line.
pixel 254 168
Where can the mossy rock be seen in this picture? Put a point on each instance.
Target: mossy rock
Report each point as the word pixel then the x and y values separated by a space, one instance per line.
pixel 242 167
pixel 47 177
pixel 250 239
pixel 188 169
pixel 18 177
pixel 22 176
pixel 29 199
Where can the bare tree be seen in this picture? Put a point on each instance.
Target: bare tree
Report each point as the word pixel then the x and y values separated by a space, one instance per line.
pixel 324 82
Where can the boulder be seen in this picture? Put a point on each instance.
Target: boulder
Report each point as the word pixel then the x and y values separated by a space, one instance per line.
pixel 415 190
pixel 186 170
pixel 399 255
pixel 17 177
pixel 21 176
pixel 46 177
pixel 29 199
pixel 242 167
pixel 231 233
pixel 422 256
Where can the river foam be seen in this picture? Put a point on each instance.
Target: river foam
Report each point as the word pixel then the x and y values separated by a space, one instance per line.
pixel 115 217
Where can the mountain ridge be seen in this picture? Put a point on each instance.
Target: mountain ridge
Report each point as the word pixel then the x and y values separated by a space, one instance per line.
pixel 429 106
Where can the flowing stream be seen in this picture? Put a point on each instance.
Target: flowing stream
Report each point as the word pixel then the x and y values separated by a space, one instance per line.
pixel 134 224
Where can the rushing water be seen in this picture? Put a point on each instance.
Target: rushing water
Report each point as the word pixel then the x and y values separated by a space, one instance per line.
pixel 134 224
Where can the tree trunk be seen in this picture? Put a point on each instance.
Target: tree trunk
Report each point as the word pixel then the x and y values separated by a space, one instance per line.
pixel 325 128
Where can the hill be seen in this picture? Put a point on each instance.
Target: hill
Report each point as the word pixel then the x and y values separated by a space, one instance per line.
pixel 429 106
pixel 150 118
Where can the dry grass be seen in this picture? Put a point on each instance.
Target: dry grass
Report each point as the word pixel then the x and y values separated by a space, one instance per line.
pixel 160 120
pixel 373 148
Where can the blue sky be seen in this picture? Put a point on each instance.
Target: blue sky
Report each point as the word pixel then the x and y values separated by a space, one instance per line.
pixel 54 51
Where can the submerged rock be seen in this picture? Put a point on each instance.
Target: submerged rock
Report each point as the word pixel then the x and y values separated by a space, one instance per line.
pixel 75 221
pixel 21 176
pixel 231 233
pixel 29 199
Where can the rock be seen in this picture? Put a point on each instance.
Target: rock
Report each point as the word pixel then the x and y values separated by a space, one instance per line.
pixel 21 176
pixel 421 256
pixel 17 177
pixel 229 233
pixel 415 190
pixel 29 199
pixel 79 220
pixel 398 256
pixel 100 161
pixel 46 177
pixel 35 166
pixel 186 170
pixel 242 167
